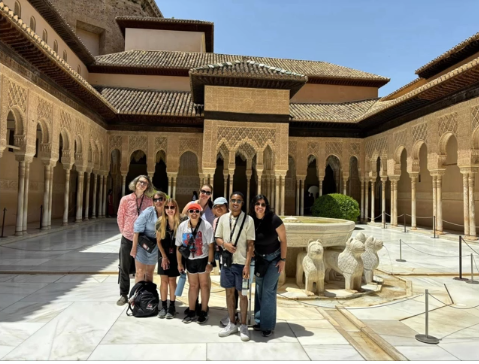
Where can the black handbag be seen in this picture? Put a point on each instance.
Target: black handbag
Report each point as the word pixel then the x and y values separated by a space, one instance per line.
pixel 185 250
pixel 260 265
pixel 147 243
pixel 226 256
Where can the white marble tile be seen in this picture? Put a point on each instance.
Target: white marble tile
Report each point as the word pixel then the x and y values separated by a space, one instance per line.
pixel 255 351
pixel 22 262
pixel 36 278
pixel 425 353
pixel 332 352
pixel 150 352
pixel 390 327
pixel 72 335
pixel 20 288
pixel 83 278
pixel 7 277
pixel 4 350
pixel 296 325
pixel 466 350
pixel 14 333
pixel 313 336
pixel 32 312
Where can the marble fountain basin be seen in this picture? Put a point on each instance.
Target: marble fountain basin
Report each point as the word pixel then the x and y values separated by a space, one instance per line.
pixel 300 230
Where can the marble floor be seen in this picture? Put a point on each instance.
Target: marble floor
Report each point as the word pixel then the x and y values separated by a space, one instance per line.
pixel 58 294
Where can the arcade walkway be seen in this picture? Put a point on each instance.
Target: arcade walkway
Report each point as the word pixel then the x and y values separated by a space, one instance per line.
pixel 58 294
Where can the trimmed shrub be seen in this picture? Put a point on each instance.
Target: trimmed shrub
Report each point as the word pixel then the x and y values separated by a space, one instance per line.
pixel 337 206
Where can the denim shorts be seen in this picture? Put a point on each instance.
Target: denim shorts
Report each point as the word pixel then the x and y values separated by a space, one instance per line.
pixel 147 258
pixel 232 277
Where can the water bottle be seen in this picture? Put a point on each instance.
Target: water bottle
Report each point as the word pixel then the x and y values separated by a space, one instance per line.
pixel 245 287
pixel 181 285
pixel 251 271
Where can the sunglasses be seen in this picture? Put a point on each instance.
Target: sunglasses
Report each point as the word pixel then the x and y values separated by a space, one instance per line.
pixel 144 183
pixel 158 199
pixel 262 204
pixel 194 211
pixel 170 207
pixel 236 201
pixel 217 206
pixel 206 192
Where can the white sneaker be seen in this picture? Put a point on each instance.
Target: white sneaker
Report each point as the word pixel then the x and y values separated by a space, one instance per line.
pixel 225 321
pixel 244 333
pixel 228 330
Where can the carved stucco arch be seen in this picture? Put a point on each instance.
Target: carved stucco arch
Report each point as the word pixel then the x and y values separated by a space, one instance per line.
pixel 18 117
pixel 247 150
pixel 46 132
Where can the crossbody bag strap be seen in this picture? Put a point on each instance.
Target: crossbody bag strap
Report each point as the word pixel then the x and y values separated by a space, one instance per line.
pixel 240 230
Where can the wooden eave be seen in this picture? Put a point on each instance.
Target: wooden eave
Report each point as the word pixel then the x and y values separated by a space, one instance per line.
pixel 55 20
pixel 164 24
pixel 23 42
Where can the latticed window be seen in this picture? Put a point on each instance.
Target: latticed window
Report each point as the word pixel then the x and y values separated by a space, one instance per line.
pixel 65 56
pixel 45 36
pixel 33 24
pixel 18 9
pixel 55 46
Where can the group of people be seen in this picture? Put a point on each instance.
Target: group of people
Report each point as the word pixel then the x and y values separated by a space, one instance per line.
pixel 155 231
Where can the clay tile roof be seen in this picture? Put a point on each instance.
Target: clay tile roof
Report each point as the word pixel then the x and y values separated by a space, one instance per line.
pixel 149 102
pixel 169 24
pixel 454 55
pixel 345 112
pixel 182 62
pixel 48 11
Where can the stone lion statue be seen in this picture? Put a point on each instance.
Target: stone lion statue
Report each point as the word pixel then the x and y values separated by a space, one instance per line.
pixel 313 267
pixel 370 258
pixel 348 263
pixel 361 237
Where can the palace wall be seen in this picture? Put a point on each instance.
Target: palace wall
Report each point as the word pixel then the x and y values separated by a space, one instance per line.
pixel 164 40
pixel 144 82
pixel 317 93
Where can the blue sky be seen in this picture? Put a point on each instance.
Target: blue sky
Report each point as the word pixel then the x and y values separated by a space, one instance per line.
pixel 388 38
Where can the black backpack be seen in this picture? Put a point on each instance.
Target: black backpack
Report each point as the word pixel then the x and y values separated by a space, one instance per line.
pixel 143 300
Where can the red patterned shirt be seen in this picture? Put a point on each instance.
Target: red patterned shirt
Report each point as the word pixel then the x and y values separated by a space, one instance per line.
pixel 128 212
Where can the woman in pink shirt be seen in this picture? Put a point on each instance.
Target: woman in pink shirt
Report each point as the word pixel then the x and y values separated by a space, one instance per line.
pixel 130 208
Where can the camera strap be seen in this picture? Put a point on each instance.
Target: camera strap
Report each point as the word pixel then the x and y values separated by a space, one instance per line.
pixel 194 233
pixel 138 208
pixel 240 230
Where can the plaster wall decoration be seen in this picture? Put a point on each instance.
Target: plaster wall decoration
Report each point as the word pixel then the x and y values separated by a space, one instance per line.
pixel 224 152
pixel 8 185
pixel 419 132
pixel 474 117
pixel 448 124
pixel 400 139
pixel 65 121
pixel 247 151
pixel 376 146
pixel 17 96
pixel 313 149
pixel 137 142
pixel 355 150
pixel 161 143
pixel 334 148
pixel 115 142
pixel 260 137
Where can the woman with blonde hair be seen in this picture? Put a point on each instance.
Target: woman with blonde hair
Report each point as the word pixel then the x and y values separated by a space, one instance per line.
pixel 145 246
pixel 166 227
pixel 130 208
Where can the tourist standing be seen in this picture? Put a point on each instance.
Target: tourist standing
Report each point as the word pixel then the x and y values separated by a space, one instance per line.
pixel 130 208
pixel 204 201
pixel 270 257
pixel 194 238
pixel 145 246
pixel 167 261
pixel 235 234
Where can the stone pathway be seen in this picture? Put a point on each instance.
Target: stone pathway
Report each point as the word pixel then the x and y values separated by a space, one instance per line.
pixel 46 314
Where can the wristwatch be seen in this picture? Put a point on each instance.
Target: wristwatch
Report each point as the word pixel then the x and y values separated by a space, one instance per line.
pixel 210 263
pixel 283 259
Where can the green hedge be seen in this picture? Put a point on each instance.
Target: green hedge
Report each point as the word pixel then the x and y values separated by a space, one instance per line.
pixel 336 206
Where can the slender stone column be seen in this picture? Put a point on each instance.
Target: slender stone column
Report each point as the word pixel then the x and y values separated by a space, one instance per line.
pixel 320 187
pixel 25 200
pixel 301 209
pixel 413 203
pixel 395 201
pixel 283 193
pixel 87 195
pixel 105 179
pixel 225 182
pixel 259 174
pixel 231 173
pixel 439 227
pixel 383 199
pixel 465 195
pixel 79 213
pixel 95 197
pixel 366 203
pixel 362 200
pixel 372 202
pixel 434 198
pixel 100 197
pixel 273 195
pixel 248 180
pixel 66 197
pixel 50 198
pixel 174 187
pixel 46 195
pixel 298 195
pixel 20 199
pixel 472 214
pixel 123 185
pixel 345 186
pixel 277 201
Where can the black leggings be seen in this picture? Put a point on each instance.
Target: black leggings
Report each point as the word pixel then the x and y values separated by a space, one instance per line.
pixel 126 266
